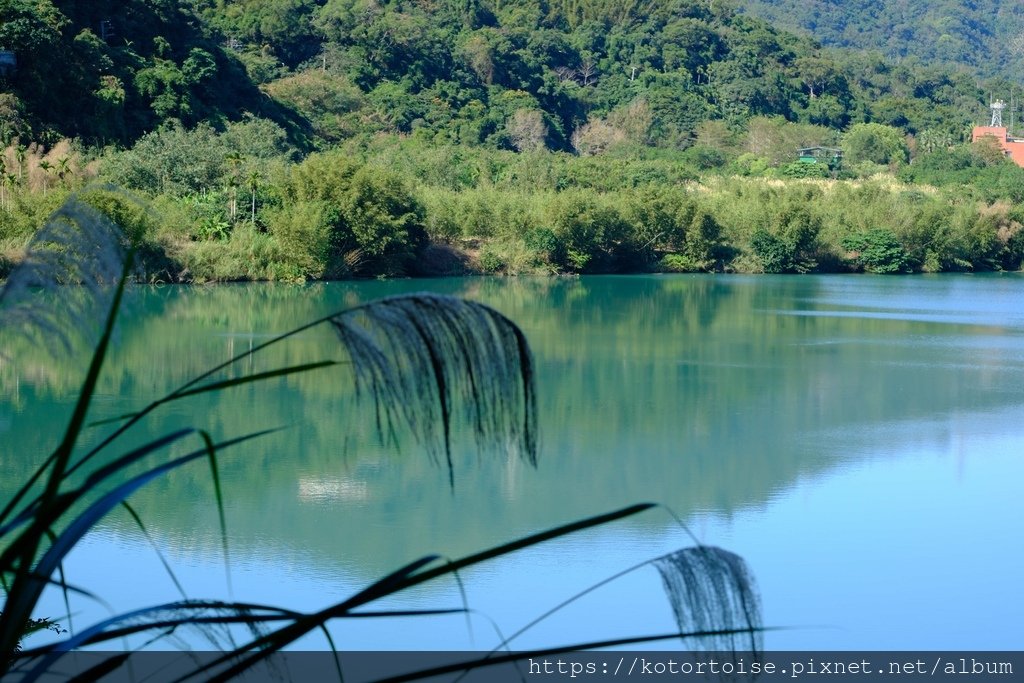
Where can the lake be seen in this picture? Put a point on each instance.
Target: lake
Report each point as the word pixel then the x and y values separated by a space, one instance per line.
pixel 859 440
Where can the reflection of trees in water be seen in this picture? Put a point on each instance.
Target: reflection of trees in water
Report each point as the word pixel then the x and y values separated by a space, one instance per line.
pixel 699 392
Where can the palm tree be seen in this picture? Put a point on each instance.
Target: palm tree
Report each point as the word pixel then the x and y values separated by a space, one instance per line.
pixel 47 168
pixel 252 181
pixel 234 160
pixel 19 154
pixel 63 168
pixel 6 181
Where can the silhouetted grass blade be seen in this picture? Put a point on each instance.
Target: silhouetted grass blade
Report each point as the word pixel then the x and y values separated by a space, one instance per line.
pixel 156 548
pixel 255 377
pixel 64 501
pixel 420 357
pixel 168 615
pixel 22 598
pixel 25 589
pixel 713 589
pixel 225 384
pixel 211 456
pixel 119 465
pixel 394 583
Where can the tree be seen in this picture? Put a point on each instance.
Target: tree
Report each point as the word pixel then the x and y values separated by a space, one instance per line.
pixel 526 130
pixel 20 153
pixel 64 168
pixel 587 72
pixel 385 219
pixel 284 26
pixel 933 139
pixel 819 75
pixel 13 122
pixel 252 181
pixel 597 137
pixel 6 181
pixel 172 160
pixel 877 251
pixel 875 143
pixel 234 161
pixel 47 168
pixel 789 241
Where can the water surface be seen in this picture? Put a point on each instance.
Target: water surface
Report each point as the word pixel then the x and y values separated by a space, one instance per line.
pixel 858 440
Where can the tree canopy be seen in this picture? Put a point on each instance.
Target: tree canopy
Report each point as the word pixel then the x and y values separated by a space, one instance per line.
pixel 467 71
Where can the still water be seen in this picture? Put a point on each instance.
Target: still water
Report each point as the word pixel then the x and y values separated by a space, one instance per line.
pixel 858 440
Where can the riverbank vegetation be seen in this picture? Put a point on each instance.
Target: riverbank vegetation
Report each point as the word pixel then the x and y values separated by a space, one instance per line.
pixel 308 140
pixel 398 208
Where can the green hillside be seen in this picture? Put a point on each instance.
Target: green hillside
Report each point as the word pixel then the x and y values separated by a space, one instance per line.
pixel 985 37
pixel 510 73
pixel 108 71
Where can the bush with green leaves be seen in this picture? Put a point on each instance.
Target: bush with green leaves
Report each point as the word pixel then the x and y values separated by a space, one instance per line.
pixel 801 169
pixel 659 219
pixel 171 160
pixel 592 235
pixel 385 219
pixel 789 242
pixel 876 143
pixel 775 254
pixel 303 231
pixel 877 251
pixel 704 245
pixel 354 217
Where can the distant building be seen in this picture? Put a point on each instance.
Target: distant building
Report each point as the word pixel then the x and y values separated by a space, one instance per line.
pixel 817 155
pixel 826 156
pixel 1011 146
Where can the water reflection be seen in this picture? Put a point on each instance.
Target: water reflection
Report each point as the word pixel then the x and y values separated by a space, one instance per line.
pixel 715 396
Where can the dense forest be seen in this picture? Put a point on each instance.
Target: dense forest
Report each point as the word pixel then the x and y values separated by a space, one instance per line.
pixel 514 74
pixel 985 37
pixel 297 139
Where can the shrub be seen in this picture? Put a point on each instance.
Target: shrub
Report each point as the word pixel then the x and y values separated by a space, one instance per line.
pixel 775 254
pixel 588 233
pixel 704 247
pixel 705 158
pixel 876 143
pixel 877 251
pixel 139 227
pixel 171 160
pixel 303 232
pixel 385 219
pixel 542 242
pixel 677 263
pixel 800 169
pixel 789 243
pixel 658 219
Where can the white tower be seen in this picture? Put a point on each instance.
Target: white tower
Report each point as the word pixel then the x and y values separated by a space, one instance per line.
pixel 997 113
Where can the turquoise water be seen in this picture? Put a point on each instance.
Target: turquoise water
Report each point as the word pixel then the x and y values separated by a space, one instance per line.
pixel 858 440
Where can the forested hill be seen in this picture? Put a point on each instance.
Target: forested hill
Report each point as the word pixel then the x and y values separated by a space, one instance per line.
pixel 516 74
pixel 984 36
pixel 108 70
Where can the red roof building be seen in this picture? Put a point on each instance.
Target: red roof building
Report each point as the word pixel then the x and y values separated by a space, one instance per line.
pixel 1012 147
